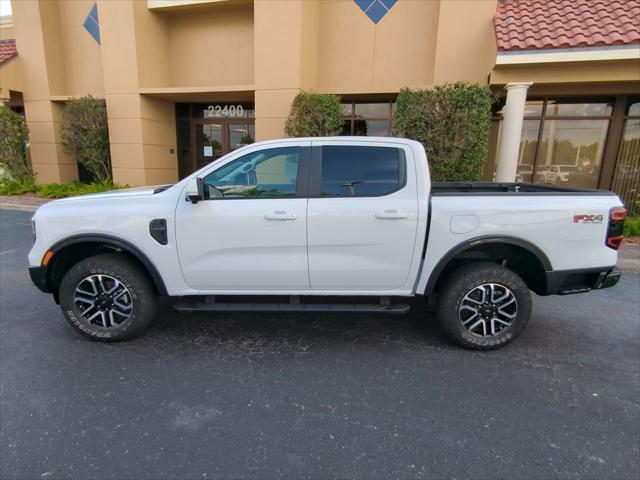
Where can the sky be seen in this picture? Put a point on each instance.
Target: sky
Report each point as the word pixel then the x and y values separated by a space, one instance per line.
pixel 5 8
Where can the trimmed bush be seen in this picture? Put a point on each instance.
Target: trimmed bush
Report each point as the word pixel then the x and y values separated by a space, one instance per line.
pixel 14 135
pixel 452 122
pixel 84 135
pixel 314 115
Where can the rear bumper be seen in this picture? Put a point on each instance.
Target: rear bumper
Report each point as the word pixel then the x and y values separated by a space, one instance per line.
pixel 611 279
pixel 39 278
pixel 566 282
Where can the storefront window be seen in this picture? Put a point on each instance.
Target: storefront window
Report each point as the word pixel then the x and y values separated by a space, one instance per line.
pixel 562 141
pixel 369 110
pixel 533 108
pixel 570 152
pixel 626 180
pixel 528 147
pixel 367 119
pixel 577 109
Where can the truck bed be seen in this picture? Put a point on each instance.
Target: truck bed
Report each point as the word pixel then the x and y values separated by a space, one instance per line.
pixel 490 188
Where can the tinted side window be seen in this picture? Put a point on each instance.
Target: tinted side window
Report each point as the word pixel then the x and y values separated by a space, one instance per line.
pixel 351 171
pixel 266 173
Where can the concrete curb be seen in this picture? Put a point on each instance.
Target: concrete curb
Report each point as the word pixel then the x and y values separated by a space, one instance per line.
pixel 18 206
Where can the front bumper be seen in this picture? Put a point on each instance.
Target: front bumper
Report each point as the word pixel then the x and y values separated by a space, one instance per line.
pixel 39 278
pixel 566 282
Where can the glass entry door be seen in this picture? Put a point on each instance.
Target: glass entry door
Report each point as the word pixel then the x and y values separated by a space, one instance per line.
pixel 209 143
pixel 214 138
pixel 241 134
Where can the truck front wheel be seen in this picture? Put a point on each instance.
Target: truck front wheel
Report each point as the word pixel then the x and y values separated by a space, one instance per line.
pixel 107 297
pixel 484 306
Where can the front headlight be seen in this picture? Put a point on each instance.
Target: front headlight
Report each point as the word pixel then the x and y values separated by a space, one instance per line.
pixel 33 232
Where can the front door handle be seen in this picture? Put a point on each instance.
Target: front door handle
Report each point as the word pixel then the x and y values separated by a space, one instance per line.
pixel 279 215
pixel 391 214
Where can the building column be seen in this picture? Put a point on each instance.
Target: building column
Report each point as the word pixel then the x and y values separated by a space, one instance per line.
pixel 142 129
pixel 285 59
pixel 509 147
pixel 38 38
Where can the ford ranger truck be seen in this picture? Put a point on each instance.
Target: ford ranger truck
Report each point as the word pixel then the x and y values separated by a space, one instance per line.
pixel 340 224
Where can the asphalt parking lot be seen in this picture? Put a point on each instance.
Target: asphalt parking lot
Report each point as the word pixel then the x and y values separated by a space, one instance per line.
pixel 316 396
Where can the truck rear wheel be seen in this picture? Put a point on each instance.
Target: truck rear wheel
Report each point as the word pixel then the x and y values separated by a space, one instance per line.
pixel 484 306
pixel 108 298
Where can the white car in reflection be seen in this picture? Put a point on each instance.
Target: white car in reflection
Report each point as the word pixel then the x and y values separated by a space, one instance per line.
pixel 560 173
pixel 524 173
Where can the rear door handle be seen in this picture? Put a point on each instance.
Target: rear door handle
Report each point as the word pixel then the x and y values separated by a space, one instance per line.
pixel 279 215
pixel 391 214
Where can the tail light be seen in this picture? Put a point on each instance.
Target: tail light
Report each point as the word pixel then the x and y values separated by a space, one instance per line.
pixel 617 216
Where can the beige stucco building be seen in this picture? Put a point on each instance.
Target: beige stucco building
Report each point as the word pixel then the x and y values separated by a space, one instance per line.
pixel 188 80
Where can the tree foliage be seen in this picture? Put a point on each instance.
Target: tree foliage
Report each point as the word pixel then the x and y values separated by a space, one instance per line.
pixel 84 135
pixel 452 122
pixel 14 135
pixel 314 115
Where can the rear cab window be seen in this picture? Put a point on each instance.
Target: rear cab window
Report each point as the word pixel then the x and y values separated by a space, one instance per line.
pixel 361 171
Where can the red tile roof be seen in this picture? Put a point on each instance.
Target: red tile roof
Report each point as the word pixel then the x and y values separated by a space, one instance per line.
pixel 543 24
pixel 7 50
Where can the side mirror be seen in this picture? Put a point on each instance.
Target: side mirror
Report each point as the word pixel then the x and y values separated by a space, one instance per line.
pixel 195 190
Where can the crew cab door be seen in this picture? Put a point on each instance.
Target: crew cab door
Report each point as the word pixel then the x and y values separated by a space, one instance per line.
pixel 249 232
pixel 362 216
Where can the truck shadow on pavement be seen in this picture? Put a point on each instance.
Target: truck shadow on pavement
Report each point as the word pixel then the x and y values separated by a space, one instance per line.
pixel 297 333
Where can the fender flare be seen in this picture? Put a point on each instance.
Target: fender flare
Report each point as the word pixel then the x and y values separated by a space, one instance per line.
pixel 477 241
pixel 117 244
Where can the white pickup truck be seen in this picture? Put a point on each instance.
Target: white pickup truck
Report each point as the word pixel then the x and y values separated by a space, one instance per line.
pixel 341 224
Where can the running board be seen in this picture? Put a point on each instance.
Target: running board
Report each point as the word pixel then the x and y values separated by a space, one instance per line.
pixel 397 309
pixel 575 290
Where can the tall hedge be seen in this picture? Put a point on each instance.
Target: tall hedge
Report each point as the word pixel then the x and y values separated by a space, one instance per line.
pixel 452 122
pixel 314 115
pixel 14 135
pixel 84 135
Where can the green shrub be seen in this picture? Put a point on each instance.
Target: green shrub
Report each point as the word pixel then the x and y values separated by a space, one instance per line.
pixel 14 135
pixel 452 122
pixel 18 188
pixel 632 227
pixel 84 135
pixel 314 115
pixel 56 190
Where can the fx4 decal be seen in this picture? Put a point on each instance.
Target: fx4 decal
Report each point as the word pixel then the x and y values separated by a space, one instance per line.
pixel 588 218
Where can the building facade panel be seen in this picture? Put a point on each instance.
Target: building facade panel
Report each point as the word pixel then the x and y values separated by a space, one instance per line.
pixel 185 82
pixel 356 55
pixel 210 46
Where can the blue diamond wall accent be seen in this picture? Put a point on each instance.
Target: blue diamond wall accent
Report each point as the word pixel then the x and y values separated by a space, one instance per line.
pixel 92 23
pixel 375 9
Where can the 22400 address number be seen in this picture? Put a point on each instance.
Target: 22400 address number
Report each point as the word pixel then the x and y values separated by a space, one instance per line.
pixel 224 111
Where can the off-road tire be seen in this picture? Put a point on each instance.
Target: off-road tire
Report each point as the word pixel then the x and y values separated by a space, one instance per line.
pixel 141 295
pixel 463 281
